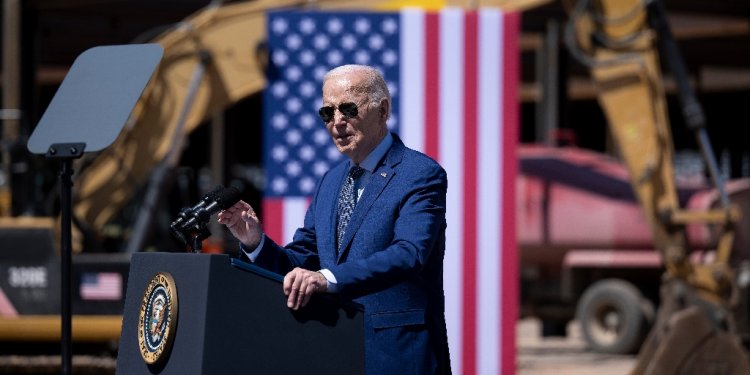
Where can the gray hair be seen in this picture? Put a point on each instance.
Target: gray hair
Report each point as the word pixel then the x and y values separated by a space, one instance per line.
pixel 374 84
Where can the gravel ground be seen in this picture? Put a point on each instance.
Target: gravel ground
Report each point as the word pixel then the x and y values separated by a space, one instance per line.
pixel 563 355
pixel 46 364
pixel 536 356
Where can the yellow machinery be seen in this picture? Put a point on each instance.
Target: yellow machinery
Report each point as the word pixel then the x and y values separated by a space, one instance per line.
pixel 618 40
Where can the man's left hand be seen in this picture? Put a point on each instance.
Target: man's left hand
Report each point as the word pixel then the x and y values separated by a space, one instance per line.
pixel 300 284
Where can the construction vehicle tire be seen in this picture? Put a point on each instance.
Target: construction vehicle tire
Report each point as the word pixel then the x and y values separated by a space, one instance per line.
pixel 613 316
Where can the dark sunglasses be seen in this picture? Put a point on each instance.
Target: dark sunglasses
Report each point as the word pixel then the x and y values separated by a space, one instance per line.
pixel 349 110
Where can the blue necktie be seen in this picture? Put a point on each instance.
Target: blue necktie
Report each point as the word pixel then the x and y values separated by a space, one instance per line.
pixel 347 200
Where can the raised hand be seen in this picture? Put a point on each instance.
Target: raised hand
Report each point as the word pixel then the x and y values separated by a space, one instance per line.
pixel 242 221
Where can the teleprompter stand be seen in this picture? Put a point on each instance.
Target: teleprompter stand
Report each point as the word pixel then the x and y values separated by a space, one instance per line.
pixel 86 115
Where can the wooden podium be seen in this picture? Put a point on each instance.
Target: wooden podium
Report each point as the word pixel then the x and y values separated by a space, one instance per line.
pixel 230 317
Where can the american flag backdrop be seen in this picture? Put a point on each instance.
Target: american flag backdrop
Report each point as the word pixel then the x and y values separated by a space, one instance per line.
pixel 453 75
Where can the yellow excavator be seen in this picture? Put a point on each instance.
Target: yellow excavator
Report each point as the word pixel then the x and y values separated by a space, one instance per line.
pixel 207 67
pixel 622 43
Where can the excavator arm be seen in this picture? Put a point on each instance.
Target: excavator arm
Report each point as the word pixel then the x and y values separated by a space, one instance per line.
pixel 619 41
pixel 212 59
pixel 206 67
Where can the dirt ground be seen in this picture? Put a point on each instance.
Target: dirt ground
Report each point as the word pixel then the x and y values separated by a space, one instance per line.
pixel 535 356
pixel 563 355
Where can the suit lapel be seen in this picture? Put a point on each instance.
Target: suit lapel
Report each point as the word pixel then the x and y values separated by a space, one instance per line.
pixel 374 187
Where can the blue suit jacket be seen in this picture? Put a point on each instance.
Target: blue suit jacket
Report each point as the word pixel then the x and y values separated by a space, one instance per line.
pixel 391 259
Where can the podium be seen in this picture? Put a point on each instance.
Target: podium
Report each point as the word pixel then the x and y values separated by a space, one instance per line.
pixel 230 317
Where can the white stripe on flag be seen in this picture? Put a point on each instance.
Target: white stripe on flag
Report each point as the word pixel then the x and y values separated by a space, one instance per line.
pixel 489 172
pixel 412 85
pixel 294 213
pixel 451 158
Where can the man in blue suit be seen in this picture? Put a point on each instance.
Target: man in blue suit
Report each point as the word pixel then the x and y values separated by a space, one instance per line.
pixel 374 231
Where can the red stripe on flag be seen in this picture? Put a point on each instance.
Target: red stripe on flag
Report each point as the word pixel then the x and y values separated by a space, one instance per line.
pixel 470 194
pixel 432 85
pixel 509 258
pixel 273 219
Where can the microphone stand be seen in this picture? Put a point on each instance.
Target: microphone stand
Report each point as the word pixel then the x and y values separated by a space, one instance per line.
pixel 192 237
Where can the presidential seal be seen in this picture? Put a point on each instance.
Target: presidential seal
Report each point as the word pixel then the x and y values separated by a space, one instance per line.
pixel 158 319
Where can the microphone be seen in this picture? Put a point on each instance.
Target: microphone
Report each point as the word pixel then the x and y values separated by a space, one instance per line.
pixel 186 212
pixel 223 200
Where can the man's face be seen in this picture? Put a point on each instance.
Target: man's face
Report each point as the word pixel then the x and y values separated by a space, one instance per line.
pixel 357 136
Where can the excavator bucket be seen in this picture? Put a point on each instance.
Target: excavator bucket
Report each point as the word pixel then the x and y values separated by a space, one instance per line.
pixel 692 336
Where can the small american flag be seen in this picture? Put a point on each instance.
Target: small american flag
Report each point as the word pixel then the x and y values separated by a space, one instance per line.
pixel 101 286
pixel 453 76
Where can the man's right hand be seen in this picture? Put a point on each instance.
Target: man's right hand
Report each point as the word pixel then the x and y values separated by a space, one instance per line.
pixel 243 223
